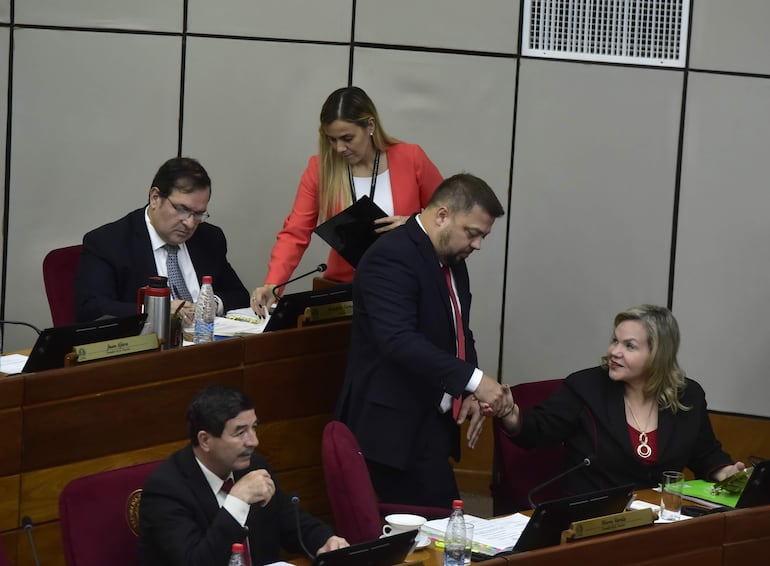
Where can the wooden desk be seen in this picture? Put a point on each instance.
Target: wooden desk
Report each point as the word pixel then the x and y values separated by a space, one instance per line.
pixel 62 424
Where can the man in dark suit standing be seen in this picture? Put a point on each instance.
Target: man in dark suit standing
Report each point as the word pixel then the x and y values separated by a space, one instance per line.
pixel 218 491
pixel 168 237
pixel 409 356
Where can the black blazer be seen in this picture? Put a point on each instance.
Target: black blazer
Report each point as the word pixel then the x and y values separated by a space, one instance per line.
pixel 182 524
pixel 117 259
pixel 402 354
pixel 588 414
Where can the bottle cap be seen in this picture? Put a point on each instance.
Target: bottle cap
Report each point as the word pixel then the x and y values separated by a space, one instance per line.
pixel 457 504
pixel 208 279
pixel 237 548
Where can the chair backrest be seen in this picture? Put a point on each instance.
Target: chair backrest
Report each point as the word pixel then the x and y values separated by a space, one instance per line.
pixel 518 470
pixel 99 514
pixel 4 561
pixel 351 494
pixel 59 268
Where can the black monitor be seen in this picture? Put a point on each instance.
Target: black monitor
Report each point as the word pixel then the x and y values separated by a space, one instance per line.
pixel 55 343
pixel 291 306
pixel 757 490
pixel 550 518
pixel 384 551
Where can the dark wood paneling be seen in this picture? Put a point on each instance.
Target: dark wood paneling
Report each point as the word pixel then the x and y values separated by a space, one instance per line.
pixel 742 436
pixel 298 342
pixel 9 502
pixel 747 536
pixel 131 371
pixel 111 421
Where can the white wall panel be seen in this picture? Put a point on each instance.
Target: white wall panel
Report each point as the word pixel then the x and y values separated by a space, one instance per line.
pixel 5 11
pixel 723 256
pixel 730 36
pixel 253 123
pixel 591 210
pixel 492 25
pixel 94 115
pixel 329 20
pixel 4 37
pixel 154 15
pixel 461 129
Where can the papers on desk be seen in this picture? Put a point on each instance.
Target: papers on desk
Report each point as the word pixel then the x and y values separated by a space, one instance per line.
pixel 490 536
pixel 638 504
pixel 12 363
pixel 239 322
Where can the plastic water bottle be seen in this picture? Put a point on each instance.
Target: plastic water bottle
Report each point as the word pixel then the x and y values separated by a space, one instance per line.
pixel 236 558
pixel 205 311
pixel 454 539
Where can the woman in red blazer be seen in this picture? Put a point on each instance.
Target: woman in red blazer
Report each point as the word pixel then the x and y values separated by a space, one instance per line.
pixel 356 157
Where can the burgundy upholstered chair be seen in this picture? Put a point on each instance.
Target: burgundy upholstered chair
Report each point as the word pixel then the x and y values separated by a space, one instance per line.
pixel 357 513
pixel 518 470
pixel 3 556
pixel 98 516
pixel 59 268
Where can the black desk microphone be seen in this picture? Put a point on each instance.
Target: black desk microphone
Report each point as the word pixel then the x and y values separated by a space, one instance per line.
pixel 27 524
pixel 295 502
pixel 584 463
pixel 320 268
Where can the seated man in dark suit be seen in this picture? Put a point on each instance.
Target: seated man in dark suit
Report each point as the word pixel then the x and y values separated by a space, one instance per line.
pixel 168 237
pixel 217 491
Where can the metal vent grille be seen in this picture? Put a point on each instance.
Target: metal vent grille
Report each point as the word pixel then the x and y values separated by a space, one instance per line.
pixel 642 32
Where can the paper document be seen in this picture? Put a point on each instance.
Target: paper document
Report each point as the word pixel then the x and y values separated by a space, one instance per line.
pixel 12 363
pixel 238 322
pixel 490 536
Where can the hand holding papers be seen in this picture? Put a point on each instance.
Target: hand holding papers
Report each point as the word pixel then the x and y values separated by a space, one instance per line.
pixel 351 232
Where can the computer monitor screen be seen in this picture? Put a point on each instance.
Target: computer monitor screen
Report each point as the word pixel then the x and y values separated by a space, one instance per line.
pixel 291 306
pixel 54 343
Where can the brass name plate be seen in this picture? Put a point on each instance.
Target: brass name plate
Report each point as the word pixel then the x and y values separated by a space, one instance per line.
pixel 109 348
pixel 610 523
pixel 332 310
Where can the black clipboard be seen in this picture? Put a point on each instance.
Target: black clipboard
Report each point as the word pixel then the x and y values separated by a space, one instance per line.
pixel 351 232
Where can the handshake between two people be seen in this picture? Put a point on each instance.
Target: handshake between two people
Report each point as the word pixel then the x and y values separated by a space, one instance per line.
pixel 491 399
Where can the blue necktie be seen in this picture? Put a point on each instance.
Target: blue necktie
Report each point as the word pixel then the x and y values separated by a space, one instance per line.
pixel 175 279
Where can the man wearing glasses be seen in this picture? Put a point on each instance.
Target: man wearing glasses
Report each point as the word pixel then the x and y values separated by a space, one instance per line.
pixel 168 237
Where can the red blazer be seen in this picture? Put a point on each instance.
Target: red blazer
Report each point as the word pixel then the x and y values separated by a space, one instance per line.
pixel 413 178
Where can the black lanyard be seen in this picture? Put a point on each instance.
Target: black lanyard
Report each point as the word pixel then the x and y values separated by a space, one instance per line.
pixel 374 178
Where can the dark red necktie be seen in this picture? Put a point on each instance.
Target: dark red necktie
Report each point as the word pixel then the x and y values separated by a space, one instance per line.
pixel 457 403
pixel 226 487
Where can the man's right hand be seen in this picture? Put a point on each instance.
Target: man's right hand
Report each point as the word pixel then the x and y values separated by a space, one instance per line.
pixel 496 395
pixel 255 487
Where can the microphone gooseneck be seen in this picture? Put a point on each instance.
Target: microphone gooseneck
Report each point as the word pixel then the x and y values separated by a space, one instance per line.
pixel 20 323
pixel 26 522
pixel 584 463
pixel 295 502
pixel 320 268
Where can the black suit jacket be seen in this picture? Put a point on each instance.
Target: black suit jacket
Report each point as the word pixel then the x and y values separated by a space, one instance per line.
pixel 182 524
pixel 403 348
pixel 117 259
pixel 588 415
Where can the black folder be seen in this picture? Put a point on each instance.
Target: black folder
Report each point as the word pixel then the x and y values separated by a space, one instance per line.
pixel 351 232
pixel 757 490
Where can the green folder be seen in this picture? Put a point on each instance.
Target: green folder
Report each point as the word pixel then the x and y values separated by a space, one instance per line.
pixel 700 492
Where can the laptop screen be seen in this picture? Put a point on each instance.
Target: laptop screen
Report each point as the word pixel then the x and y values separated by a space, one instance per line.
pixel 552 517
pixel 384 551
pixel 54 343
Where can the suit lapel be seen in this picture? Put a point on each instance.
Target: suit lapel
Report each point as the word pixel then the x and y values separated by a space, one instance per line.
pixel 199 486
pixel 144 256
pixel 430 259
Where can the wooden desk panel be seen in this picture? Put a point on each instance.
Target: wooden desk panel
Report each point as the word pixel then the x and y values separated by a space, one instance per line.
pixel 296 343
pixel 747 536
pixel 11 395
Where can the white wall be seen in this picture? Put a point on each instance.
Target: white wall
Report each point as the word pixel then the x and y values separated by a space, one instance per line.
pixel 629 184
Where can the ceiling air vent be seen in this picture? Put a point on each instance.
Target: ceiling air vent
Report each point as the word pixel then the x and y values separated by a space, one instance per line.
pixel 640 32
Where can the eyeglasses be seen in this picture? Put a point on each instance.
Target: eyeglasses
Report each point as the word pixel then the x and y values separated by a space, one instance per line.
pixel 185 213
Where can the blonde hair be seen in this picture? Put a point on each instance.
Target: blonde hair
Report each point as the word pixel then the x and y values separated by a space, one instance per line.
pixel 353 105
pixel 666 379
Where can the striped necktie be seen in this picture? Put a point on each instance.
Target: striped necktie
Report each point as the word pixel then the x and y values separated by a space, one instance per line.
pixel 457 402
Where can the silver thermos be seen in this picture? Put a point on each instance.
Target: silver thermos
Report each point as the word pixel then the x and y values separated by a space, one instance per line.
pixel 155 300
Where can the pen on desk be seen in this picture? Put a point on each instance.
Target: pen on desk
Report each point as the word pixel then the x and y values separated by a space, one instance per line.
pixel 179 308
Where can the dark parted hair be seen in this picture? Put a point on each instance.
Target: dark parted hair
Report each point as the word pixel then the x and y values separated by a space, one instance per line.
pixel 461 192
pixel 184 174
pixel 212 408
